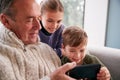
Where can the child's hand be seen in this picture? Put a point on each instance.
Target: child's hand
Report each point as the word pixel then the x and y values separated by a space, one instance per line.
pixel 104 74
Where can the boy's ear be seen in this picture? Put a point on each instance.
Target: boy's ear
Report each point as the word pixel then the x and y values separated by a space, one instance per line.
pixel 63 49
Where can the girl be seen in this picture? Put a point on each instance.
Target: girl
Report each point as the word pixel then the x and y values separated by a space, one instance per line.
pixel 52 13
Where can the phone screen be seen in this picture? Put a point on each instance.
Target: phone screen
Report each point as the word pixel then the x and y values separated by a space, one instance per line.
pixel 88 71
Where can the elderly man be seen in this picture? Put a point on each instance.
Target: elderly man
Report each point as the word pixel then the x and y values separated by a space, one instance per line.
pixel 22 55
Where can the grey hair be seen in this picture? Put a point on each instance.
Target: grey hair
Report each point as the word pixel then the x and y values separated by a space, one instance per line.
pixel 5 7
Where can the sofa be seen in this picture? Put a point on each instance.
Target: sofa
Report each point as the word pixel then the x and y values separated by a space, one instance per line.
pixel 110 57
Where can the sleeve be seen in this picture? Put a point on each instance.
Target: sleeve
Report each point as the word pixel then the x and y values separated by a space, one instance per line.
pixel 91 59
pixel 96 60
pixel 59 43
pixel 58 51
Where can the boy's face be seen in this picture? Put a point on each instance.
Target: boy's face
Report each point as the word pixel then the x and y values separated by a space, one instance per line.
pixel 75 54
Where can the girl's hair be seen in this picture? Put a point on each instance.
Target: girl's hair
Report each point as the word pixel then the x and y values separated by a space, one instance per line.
pixel 74 36
pixel 51 5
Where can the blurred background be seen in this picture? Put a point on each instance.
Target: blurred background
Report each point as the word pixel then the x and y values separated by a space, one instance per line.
pixel 99 18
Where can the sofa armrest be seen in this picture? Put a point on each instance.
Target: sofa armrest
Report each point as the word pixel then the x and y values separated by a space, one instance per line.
pixel 110 57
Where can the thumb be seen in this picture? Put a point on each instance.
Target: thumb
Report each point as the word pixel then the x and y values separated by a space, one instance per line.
pixel 66 67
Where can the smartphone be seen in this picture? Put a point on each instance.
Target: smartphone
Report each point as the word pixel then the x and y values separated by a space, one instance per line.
pixel 88 71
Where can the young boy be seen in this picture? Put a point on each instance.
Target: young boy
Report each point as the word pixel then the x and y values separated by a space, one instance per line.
pixel 74 45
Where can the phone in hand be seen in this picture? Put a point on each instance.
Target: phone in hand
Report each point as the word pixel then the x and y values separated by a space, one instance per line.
pixel 88 71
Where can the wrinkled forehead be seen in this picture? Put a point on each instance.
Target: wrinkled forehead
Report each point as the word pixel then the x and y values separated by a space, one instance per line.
pixel 25 2
pixel 26 6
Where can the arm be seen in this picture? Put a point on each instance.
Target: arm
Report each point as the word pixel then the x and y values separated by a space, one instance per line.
pixel 104 73
pixel 101 75
pixel 58 51
pixel 59 74
pixel 59 41
pixel 7 72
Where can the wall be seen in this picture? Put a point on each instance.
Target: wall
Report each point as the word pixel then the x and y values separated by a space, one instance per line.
pixel 95 21
pixel 113 28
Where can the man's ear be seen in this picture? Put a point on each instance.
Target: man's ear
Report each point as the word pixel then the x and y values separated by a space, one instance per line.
pixel 4 20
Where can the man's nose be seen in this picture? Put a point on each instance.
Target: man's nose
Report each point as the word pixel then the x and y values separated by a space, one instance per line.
pixel 36 23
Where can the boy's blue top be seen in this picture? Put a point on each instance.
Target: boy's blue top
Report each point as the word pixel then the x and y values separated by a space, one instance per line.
pixel 54 39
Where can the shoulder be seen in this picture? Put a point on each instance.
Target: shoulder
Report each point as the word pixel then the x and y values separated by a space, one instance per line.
pixel 91 59
pixel 62 26
pixel 89 56
pixel 48 52
pixel 64 60
pixel 46 48
pixel 44 45
pixel 60 29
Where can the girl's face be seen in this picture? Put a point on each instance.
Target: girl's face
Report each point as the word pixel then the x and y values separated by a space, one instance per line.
pixel 52 20
pixel 75 54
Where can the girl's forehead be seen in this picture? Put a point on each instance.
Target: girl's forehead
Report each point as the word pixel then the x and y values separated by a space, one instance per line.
pixel 53 15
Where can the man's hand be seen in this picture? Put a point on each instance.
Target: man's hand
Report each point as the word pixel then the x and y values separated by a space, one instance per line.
pixel 59 74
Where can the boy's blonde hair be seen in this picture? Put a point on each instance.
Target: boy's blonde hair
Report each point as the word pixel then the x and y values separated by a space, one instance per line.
pixel 74 36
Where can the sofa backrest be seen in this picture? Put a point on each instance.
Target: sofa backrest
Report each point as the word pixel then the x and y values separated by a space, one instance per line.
pixel 110 57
